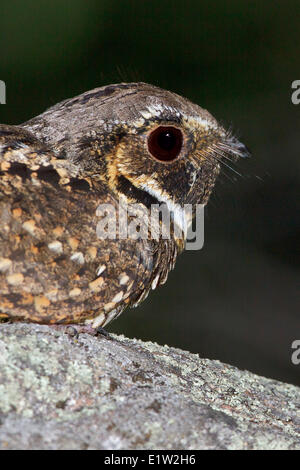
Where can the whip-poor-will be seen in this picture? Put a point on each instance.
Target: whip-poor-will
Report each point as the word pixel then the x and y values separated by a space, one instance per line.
pixel 128 143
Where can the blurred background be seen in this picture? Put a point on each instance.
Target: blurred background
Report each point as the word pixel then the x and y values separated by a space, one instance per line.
pixel 237 299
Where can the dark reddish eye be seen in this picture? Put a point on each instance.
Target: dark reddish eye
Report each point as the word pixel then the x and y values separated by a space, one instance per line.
pixel 165 143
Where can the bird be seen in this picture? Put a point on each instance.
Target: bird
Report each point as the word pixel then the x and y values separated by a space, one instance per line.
pixel 120 144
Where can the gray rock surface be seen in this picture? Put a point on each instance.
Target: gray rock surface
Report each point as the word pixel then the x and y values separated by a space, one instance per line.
pixel 57 392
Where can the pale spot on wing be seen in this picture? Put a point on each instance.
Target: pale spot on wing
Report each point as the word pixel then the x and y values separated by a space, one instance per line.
pixel 17 212
pixel 98 321
pixel 41 302
pixel 101 269
pixel 73 243
pixel 123 279
pixel 78 257
pixel 154 282
pixel 15 279
pixel 52 295
pixel 58 231
pixel 92 252
pixel 29 226
pixel 75 292
pixel 5 264
pixel 118 297
pixel 110 316
pixel 96 285
pixel 109 306
pixel 56 246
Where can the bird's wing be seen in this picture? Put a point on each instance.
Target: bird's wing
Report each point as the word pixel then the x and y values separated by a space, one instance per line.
pixel 53 266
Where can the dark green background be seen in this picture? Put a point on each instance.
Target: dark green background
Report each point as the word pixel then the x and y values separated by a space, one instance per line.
pixel 235 300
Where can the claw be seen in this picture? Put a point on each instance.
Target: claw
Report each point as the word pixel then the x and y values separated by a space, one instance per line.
pixel 74 330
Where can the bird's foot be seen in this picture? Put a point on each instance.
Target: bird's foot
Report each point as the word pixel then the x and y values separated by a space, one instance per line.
pixel 74 330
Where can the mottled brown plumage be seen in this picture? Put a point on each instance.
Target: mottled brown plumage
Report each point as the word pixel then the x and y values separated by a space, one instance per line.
pixel 57 168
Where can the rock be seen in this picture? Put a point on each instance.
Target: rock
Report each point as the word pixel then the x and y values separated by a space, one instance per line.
pixel 58 392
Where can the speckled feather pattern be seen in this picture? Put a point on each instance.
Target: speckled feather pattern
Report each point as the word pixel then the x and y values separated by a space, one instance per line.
pixel 56 169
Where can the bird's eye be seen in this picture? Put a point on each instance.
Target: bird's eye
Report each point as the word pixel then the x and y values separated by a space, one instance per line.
pixel 165 143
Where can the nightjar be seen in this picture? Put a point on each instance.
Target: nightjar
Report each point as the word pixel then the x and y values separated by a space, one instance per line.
pixel 122 144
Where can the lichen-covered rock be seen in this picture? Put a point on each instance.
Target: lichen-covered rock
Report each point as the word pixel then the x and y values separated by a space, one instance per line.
pixel 97 393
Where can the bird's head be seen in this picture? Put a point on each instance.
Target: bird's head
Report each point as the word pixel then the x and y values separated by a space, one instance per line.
pixel 150 145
